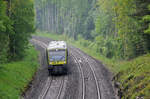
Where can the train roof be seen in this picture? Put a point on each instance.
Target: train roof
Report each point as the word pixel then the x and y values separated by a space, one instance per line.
pixel 57 45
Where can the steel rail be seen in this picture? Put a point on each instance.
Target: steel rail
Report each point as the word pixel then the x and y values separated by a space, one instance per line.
pixel 46 90
pixel 81 70
pixel 94 74
pixel 43 45
pixel 60 90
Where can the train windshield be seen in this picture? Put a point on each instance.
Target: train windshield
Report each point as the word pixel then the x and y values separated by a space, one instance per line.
pixel 57 55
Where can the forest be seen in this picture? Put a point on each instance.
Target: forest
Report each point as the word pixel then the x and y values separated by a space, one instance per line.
pixel 117 29
pixel 16 27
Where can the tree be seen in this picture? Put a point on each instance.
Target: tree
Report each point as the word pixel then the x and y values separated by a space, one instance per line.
pixel 5 31
pixel 22 15
pixel 123 25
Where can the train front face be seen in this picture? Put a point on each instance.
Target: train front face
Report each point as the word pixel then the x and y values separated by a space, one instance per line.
pixel 57 58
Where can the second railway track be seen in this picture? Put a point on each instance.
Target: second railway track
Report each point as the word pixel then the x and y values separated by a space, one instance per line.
pixel 93 72
pixel 82 75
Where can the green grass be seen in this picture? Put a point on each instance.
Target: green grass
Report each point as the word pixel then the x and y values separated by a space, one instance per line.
pixel 135 78
pixel 134 75
pixel 15 76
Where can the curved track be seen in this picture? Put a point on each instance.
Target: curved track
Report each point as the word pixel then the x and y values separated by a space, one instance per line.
pixel 82 75
pixel 87 80
pixel 94 74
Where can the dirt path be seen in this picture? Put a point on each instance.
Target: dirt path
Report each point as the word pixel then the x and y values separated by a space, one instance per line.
pixel 87 77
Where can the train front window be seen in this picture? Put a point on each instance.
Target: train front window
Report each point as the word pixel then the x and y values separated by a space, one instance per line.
pixel 57 55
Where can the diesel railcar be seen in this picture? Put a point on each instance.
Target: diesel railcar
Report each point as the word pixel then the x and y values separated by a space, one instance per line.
pixel 57 57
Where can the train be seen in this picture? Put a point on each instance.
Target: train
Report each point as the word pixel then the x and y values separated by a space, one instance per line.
pixel 57 57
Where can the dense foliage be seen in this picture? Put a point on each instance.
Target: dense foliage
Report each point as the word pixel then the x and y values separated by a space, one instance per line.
pixel 122 29
pixel 5 30
pixel 118 29
pixel 65 16
pixel 16 26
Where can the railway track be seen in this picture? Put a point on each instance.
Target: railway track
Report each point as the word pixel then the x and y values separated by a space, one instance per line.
pixel 82 75
pixel 80 69
pixel 60 90
pixel 81 61
pixel 50 86
pixel 93 72
pixel 51 82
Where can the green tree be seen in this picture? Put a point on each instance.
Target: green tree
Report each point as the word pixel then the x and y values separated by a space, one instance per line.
pixel 5 31
pixel 22 15
pixel 122 26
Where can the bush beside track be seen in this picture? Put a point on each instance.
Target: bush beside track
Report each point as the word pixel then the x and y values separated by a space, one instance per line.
pixel 132 77
pixel 15 76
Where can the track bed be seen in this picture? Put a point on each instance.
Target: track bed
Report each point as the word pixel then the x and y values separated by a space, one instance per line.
pixel 87 78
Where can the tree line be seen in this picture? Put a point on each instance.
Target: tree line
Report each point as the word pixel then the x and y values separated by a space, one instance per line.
pixel 116 28
pixel 64 16
pixel 16 26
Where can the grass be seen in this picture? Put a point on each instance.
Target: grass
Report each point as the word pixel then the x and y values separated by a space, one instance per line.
pixel 135 78
pixel 15 76
pixel 133 75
